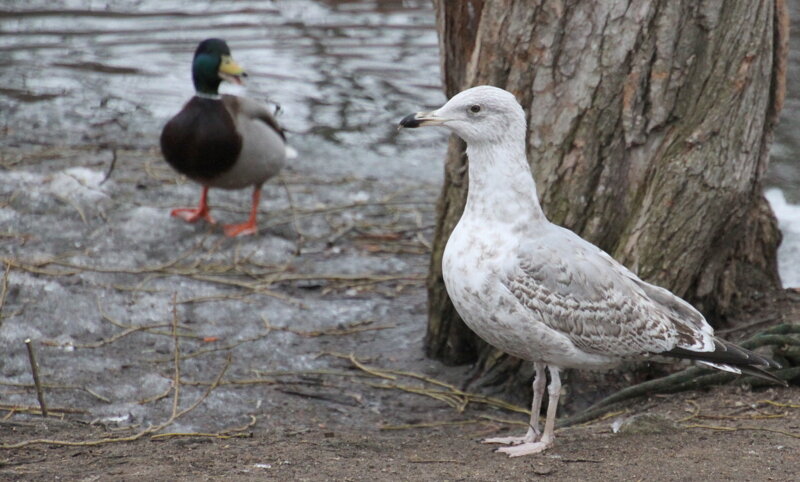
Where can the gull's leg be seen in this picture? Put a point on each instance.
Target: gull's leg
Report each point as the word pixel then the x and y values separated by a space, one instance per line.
pixel 549 425
pixel 193 214
pixel 539 384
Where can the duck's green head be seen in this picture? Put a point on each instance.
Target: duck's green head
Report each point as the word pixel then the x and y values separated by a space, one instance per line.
pixel 212 64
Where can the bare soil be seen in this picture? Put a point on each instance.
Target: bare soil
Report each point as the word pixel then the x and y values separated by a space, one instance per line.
pixel 657 448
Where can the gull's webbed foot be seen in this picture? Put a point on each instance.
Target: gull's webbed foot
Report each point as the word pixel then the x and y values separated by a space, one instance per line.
pixel 526 448
pixel 530 437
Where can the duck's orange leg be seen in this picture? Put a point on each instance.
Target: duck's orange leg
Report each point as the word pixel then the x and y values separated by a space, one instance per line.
pixel 193 214
pixel 249 227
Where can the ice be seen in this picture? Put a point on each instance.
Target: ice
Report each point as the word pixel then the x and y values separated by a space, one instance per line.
pixel 789 252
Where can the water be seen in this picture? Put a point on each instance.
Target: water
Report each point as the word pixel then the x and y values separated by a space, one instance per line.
pixel 81 72
pixel 111 73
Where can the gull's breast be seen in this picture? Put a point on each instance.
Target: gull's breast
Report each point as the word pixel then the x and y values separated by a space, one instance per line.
pixel 471 267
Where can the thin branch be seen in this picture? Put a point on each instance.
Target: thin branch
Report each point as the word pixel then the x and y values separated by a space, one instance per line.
pixel 4 290
pixel 176 384
pixel 295 225
pixel 110 167
pixel 35 371
pixel 128 331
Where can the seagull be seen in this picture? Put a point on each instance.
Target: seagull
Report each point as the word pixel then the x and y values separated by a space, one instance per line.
pixel 540 292
pixel 222 141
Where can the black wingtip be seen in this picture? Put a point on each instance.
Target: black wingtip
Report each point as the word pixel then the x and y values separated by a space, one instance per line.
pixel 410 121
pixel 760 373
pixel 726 353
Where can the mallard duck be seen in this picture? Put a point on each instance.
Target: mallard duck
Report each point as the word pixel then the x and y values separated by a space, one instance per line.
pixel 222 141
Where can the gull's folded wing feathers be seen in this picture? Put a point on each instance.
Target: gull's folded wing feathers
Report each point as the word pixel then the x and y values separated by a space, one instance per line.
pixel 578 290
pixel 681 313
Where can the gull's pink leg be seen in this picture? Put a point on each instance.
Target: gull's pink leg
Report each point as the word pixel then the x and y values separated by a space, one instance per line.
pixel 546 441
pixel 533 435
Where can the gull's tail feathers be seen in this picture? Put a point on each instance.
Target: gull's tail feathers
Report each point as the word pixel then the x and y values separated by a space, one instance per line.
pixel 731 358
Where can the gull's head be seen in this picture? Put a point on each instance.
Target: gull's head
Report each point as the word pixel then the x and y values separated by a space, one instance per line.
pixel 477 115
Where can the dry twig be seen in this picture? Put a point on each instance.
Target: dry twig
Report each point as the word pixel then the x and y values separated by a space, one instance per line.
pixel 35 371
pixel 4 290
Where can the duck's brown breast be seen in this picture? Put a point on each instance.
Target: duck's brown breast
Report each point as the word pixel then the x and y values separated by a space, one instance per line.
pixel 201 141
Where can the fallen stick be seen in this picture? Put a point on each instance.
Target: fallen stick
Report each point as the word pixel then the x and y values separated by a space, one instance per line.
pixel 36 382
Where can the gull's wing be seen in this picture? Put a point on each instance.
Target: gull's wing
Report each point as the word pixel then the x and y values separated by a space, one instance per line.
pixel 581 292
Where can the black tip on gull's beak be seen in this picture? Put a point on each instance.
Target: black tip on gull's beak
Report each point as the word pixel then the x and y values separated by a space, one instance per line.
pixel 421 119
pixel 410 121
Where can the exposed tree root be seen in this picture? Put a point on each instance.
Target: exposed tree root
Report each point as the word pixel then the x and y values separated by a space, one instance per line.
pixel 696 377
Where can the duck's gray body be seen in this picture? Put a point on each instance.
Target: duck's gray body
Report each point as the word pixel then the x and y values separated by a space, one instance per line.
pixel 228 142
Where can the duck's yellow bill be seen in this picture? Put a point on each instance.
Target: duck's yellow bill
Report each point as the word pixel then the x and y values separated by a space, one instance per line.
pixel 231 71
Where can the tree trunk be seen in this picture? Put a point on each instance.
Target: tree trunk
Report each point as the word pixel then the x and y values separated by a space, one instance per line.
pixel 649 130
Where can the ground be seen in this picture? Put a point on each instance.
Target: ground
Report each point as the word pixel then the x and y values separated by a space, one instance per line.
pixel 656 449
pixel 297 352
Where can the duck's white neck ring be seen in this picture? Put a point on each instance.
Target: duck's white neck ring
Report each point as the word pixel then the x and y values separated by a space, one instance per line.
pixel 203 95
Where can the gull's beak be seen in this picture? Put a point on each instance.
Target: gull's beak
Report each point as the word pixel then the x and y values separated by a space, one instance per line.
pixel 421 119
pixel 231 71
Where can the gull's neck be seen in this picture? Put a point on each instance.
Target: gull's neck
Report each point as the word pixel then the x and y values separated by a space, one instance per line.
pixel 501 186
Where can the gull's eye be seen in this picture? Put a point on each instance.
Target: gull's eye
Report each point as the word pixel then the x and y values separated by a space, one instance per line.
pixel 475 108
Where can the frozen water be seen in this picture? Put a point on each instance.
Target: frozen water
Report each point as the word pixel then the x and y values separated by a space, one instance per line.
pixel 789 221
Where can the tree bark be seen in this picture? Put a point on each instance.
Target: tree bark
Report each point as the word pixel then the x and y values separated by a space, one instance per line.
pixel 649 130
